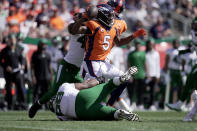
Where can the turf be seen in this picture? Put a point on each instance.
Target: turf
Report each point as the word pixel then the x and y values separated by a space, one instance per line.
pixel 46 121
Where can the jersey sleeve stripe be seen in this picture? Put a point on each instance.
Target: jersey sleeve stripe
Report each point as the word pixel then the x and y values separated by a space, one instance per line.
pixel 83 73
pixel 117 33
pixel 91 43
pixel 90 68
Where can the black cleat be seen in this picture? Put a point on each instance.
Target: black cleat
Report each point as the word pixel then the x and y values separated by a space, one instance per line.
pixel 33 109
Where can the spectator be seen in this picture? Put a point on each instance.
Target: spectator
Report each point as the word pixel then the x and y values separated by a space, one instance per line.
pixel 56 22
pixel 64 12
pixel 155 13
pixel 186 9
pixel 21 14
pixel 13 20
pixel 55 53
pixel 13 63
pixel 3 16
pixel 43 29
pixel 116 58
pixel 28 24
pixel 20 38
pixel 137 58
pixel 76 9
pixel 43 13
pixel 41 71
pixel 153 68
pixel 137 26
pixel 160 29
pixel 141 14
pixel 173 65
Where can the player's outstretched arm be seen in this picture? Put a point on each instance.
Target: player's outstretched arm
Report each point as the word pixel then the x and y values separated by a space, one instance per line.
pixel 126 40
pixel 86 84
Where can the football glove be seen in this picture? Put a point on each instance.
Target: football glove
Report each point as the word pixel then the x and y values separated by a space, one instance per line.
pixel 138 33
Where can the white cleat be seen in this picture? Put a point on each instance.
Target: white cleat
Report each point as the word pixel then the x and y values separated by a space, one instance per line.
pixel 177 106
pixel 127 76
pixel 189 117
pixel 153 108
pixel 125 115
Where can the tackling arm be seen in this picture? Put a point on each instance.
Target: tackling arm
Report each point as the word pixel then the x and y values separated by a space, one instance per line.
pixel 86 84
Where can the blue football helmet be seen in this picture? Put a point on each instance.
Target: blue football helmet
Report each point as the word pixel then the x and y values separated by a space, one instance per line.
pixel 105 15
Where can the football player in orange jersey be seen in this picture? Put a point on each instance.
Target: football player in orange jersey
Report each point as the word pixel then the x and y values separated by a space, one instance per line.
pixel 118 7
pixel 102 33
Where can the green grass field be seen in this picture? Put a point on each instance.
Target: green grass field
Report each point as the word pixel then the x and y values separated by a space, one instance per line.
pixel 46 121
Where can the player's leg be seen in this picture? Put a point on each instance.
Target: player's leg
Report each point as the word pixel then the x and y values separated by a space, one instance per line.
pixel 190 84
pixel 116 94
pixel 184 95
pixel 191 115
pixel 94 110
pixel 8 88
pixel 108 71
pixel 19 82
pixel 87 99
pixel 66 73
pixel 176 84
pixel 36 91
pixel 88 102
pixel 188 88
pixel 112 71
pixel 140 86
pixel 92 69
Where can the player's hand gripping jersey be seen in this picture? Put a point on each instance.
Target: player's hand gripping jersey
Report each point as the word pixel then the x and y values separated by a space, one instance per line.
pixel 100 41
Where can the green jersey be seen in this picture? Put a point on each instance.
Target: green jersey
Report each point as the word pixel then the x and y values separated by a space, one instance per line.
pixel 137 58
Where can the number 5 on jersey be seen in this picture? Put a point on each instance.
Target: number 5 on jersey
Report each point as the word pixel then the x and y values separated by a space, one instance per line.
pixel 106 42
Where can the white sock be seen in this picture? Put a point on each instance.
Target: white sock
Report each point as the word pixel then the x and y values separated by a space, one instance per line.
pixel 116 115
pixel 116 81
pixel 194 109
pixel 123 105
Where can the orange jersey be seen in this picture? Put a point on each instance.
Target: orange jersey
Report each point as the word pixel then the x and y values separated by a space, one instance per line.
pixel 121 26
pixel 100 42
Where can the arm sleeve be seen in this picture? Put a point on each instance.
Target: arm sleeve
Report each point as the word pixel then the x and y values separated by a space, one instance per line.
pixel 122 28
pixel 91 26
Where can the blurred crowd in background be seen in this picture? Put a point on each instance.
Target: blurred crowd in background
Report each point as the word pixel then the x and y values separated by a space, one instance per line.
pixel 29 77
pixel 49 18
